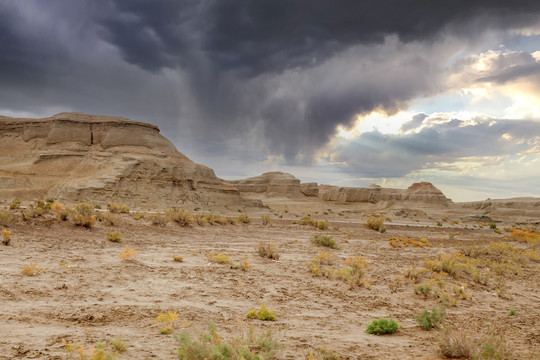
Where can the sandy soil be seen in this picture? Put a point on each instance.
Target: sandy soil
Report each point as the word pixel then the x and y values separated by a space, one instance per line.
pixel 101 296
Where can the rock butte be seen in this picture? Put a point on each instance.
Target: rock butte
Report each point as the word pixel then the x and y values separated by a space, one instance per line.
pixel 78 157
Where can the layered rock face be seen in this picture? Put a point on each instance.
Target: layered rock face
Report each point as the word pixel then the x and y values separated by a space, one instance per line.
pixel 423 192
pixel 275 183
pixel 506 207
pixel 80 157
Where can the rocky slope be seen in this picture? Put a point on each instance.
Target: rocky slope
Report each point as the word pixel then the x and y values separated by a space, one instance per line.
pixel 80 157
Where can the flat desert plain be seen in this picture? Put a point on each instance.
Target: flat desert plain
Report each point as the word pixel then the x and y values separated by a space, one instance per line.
pixel 81 293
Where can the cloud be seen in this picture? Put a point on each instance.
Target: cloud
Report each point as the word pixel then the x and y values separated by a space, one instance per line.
pixel 455 145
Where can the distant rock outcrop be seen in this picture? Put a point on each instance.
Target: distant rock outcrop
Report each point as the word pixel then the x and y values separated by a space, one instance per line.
pixel 515 207
pixel 81 157
pixel 275 183
pixel 423 192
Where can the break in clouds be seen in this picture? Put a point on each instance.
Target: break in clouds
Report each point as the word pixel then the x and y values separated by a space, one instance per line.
pixel 266 79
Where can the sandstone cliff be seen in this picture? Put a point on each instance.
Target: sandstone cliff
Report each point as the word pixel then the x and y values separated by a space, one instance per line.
pixel 423 192
pixel 515 207
pixel 271 184
pixel 80 157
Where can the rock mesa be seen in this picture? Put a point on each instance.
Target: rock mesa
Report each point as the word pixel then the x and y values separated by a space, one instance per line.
pixel 80 157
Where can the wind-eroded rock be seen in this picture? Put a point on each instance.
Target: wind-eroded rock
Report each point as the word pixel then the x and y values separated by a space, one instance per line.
pixel 81 157
pixel 423 192
pixel 274 183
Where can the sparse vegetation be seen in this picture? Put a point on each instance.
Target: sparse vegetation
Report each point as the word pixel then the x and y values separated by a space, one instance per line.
pixel 324 240
pixel 244 218
pixel 382 326
pixel 32 269
pixel 429 320
pixel 169 319
pixel 251 345
pixel 263 313
pixel 376 223
pixel 178 258
pixel 128 254
pixel 470 344
pixel 114 237
pixel 268 250
pixel 6 237
pixel 181 217
pixel 220 258
pixel 118 208
pixel 397 242
pixel 266 220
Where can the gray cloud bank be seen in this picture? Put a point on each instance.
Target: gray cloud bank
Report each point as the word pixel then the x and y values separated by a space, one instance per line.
pixel 265 77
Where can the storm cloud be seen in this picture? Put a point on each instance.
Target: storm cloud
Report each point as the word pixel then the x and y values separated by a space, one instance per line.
pixel 260 79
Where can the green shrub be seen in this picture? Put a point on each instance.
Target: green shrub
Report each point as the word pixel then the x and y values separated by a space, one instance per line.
pixel 323 225
pixel 324 240
pixel 382 326
pixel 429 320
pixel 262 314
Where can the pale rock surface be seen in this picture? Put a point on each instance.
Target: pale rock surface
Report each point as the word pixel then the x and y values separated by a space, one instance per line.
pixel 80 157
pixel 275 183
pixel 423 192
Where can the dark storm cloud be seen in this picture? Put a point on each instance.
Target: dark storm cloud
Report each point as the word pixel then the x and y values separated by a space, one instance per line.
pixel 268 35
pixel 268 77
pixel 374 154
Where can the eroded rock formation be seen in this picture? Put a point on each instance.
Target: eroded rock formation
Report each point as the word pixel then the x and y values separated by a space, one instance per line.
pixel 273 183
pixel 80 157
pixel 423 192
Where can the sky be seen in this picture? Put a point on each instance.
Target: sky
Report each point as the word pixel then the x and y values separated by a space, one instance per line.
pixel 348 93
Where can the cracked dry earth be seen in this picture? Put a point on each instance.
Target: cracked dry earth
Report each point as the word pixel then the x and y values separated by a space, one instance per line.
pixel 100 296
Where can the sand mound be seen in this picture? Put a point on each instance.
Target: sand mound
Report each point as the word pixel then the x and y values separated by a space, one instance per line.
pixel 80 157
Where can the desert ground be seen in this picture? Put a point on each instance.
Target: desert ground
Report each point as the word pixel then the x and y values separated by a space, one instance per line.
pixel 81 292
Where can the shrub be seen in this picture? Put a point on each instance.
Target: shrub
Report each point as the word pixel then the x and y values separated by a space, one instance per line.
pixel 128 254
pixel 181 217
pixel 220 258
pixel 245 265
pixel 429 320
pixel 324 240
pixel 251 345
pixel 512 312
pixel 263 314
pixel 178 258
pixel 376 223
pixel 84 209
pixel 6 218
pixel 492 226
pixel 118 208
pixel 266 219
pixel 83 220
pixel 138 216
pixel 469 344
pixel 169 318
pixel 15 204
pixel 6 235
pixel 322 225
pixel 322 354
pixel 307 220
pixel 424 288
pixel 114 237
pixel 158 219
pixel 97 352
pixel 397 242
pixel 382 326
pixel 118 344
pixel 32 269
pixel 244 218
pixel 268 250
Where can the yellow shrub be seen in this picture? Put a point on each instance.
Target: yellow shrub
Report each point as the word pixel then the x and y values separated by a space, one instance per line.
pixel 32 269
pixel 128 254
